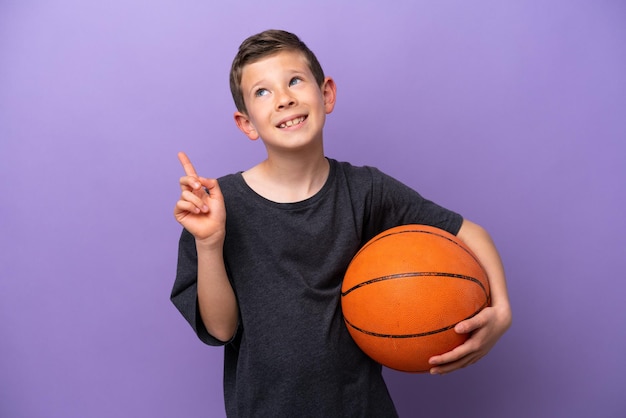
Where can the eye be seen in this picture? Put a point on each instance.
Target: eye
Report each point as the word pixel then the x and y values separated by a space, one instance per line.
pixel 261 92
pixel 294 81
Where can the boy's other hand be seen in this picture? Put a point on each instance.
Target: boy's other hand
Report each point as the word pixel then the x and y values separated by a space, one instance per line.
pixel 484 330
pixel 200 209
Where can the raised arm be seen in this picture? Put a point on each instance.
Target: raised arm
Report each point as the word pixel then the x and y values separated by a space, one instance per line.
pixel 491 323
pixel 201 211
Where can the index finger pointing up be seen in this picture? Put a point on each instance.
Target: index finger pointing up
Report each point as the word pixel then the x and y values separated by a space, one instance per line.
pixel 187 166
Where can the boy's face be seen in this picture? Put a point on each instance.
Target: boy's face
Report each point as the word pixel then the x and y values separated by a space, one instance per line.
pixel 286 107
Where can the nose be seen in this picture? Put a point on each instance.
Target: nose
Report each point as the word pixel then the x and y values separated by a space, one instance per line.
pixel 284 99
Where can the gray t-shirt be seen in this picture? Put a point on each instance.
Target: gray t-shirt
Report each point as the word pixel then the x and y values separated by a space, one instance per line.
pixel 292 355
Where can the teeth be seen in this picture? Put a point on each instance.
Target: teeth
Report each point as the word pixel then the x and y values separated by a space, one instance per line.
pixel 291 122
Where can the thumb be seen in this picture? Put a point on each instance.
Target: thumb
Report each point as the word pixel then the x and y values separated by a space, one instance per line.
pixel 212 187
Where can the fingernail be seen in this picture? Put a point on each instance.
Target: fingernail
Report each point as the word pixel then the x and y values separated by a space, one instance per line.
pixel 205 208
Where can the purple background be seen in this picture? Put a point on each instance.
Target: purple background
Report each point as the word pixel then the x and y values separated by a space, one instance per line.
pixel 512 113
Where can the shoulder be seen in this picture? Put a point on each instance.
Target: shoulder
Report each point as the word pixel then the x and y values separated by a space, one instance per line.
pixel 353 172
pixel 365 177
pixel 229 178
pixel 230 182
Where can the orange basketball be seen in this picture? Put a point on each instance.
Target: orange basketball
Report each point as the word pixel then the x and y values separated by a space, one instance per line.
pixel 404 292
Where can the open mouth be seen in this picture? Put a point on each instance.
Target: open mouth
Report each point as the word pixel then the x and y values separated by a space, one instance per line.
pixel 292 122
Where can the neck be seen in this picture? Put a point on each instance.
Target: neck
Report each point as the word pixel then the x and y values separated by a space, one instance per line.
pixel 289 179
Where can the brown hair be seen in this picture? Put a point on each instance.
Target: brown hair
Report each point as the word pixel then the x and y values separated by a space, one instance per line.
pixel 263 45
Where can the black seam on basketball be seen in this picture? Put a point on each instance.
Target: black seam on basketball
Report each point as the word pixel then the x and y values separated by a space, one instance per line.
pixel 417 229
pixel 417 335
pixel 417 274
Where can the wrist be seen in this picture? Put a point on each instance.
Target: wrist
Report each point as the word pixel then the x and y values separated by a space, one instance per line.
pixel 213 243
pixel 504 314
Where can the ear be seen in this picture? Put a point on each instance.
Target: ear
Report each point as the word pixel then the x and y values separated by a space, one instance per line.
pixel 244 124
pixel 329 93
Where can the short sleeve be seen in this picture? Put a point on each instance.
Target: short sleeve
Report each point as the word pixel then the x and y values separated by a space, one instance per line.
pixel 394 203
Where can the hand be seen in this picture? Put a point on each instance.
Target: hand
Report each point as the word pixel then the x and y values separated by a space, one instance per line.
pixel 485 330
pixel 200 208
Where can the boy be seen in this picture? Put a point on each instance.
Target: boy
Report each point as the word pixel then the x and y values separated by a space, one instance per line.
pixel 263 252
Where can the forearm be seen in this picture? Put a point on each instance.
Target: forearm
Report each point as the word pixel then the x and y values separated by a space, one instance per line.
pixel 480 242
pixel 216 299
pixel 486 327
